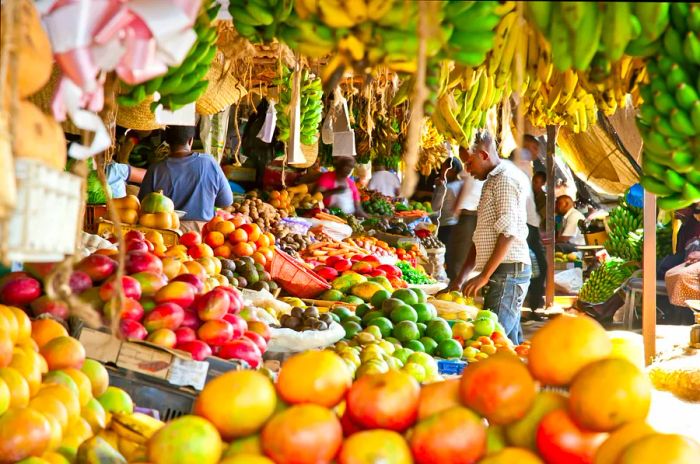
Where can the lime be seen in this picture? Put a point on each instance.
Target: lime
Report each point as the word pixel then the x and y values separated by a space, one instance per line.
pixel 403 313
pixel 421 328
pixel 402 354
pixel 420 294
pixel 384 324
pixel 439 330
pixel 484 327
pixel 362 309
pixel 392 340
pixel 415 370
pixel 485 313
pixel 405 331
pixel 352 299
pixel 353 318
pixel 390 304
pixel 342 312
pixel 351 328
pixel 429 344
pixel 371 315
pixel 379 297
pixel 331 295
pixel 449 349
pixel 415 345
pixel 335 317
pixel 374 330
pixel 425 311
pixel 406 295
pixel 428 362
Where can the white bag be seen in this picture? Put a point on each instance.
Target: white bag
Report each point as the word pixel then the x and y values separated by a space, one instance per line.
pixel 290 341
pixel 267 131
pixel 569 281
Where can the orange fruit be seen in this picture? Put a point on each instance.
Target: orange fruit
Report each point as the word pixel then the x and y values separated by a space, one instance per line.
pixel 4 397
pixel 238 220
pixel 50 406
pixel 608 393
pixel 259 258
pixel 187 439
pixel 224 227
pixel 319 377
pixel 268 253
pixel 200 251
pixel 512 456
pixel 499 388
pixel 223 251
pixel 18 386
pixel 243 249
pixel 155 237
pixel 29 367
pixel 65 395
pixel 98 376
pixel 658 447
pixel 237 403
pixel 253 231
pixel 6 348
pixel 564 345
pixel 522 433
pixel 83 383
pixel 213 222
pixel 438 396
pixel 615 444
pixel 263 241
pixel 270 237
pixel 371 446
pixel 195 267
pixel 45 330
pixel 24 432
pixel 214 239
pixel 56 432
pixel 24 325
pixel 63 352
pixel 238 235
pixel 302 433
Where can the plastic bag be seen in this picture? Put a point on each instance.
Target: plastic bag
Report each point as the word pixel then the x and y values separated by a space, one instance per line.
pixel 435 264
pixel 267 131
pixel 288 340
pixel 569 281
pixel 297 225
pixel 334 230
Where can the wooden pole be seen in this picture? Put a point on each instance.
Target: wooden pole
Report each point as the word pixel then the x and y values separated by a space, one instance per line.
pixel 549 220
pixel 649 278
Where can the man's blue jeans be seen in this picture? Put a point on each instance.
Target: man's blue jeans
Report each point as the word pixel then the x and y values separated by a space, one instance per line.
pixel 505 295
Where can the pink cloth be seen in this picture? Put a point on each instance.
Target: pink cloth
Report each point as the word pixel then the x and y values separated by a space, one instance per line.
pixel 327 182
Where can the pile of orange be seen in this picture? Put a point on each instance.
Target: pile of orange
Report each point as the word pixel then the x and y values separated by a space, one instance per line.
pixel 236 238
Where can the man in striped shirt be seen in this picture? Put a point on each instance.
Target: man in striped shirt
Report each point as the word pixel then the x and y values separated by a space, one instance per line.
pixel 499 254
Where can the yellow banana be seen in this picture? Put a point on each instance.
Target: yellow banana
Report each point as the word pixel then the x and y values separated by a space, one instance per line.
pixel 376 9
pixel 333 14
pixel 501 39
pixel 132 451
pixel 353 45
pixel 357 10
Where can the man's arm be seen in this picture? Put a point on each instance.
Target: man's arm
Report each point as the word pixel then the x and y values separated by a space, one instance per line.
pixel 224 196
pixel 467 267
pixel 500 250
pixel 136 175
pixel 146 184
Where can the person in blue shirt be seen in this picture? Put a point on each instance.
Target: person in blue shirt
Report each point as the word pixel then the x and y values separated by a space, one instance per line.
pixel 118 174
pixel 194 181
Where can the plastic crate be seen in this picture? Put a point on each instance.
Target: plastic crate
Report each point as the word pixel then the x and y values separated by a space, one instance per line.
pixel 294 278
pixel 150 393
pixel 47 200
pixel 451 367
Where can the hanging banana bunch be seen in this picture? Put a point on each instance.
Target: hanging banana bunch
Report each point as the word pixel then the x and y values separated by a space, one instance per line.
pixel 310 110
pixel 432 149
pixel 183 84
pixel 259 20
pixel 610 92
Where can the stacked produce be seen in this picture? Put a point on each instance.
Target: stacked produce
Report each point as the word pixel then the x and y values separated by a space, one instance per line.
pixel 308 318
pixel 432 149
pixel 292 243
pixel 412 275
pixel 244 272
pixel 625 223
pixel 605 280
pixel 183 84
pixel 258 21
pixel 311 106
pixel 58 406
pixel 156 211
pixel 431 242
pixel 669 118
pixel 261 213
pixel 377 204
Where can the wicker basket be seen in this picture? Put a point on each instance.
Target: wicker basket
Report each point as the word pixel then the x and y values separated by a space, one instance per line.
pixel 43 98
pixel 224 88
pixel 139 117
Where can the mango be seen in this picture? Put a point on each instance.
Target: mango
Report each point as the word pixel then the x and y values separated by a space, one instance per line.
pixel 366 290
pixel 347 281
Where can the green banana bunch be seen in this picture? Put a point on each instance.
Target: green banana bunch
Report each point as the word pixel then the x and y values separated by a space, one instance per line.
pixel 468 28
pixel 282 106
pixel 259 20
pixel 311 107
pixel 183 84
pixel 625 224
pixel 605 280
pixel 669 118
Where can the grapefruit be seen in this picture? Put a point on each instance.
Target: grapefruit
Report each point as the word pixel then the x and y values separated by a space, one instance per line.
pixel 237 403
pixel 319 377
pixel 187 439
pixel 384 401
pixel 564 345
pixel 606 394
pixel 610 450
pixel 499 388
pixel 302 434
pixel 658 447
pixel 453 436
pixel 438 396
pixel 373 446
pixel 23 432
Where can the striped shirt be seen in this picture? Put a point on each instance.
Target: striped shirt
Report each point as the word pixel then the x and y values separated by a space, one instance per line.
pixel 502 210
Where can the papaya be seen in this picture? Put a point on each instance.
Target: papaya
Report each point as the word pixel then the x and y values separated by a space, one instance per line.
pixel 161 220
pixel 347 281
pixel 128 202
pixel 366 290
pixel 127 215
pixel 156 202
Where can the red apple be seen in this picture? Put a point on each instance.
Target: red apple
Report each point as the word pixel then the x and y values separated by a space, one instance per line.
pixel 185 334
pixel 257 339
pixel 142 261
pixel 196 348
pixel 243 349
pixel 342 265
pixel 215 333
pixel 79 282
pixel 134 235
pixel 191 320
pixel 238 324
pixel 150 282
pixel 357 257
pixel 130 286
pixel 20 291
pixel 213 304
pixel 130 329
pixel 190 239
pixel 137 245
pixel 326 272
pixel 191 279
pixel 164 316
pixel 180 293
pixel 98 267
pixel 46 305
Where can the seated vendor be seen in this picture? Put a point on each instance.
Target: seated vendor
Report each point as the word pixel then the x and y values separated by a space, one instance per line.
pixel 383 181
pixel 338 189
pixel 569 236
pixel 118 174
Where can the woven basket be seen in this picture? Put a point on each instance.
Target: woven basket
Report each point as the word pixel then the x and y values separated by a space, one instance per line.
pixel 138 117
pixel 43 98
pixel 224 88
pixel 310 153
